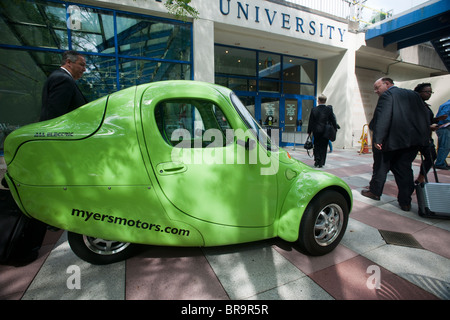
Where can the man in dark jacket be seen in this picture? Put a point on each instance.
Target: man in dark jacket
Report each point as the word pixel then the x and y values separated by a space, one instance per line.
pixel 320 116
pixel 400 126
pixel 61 94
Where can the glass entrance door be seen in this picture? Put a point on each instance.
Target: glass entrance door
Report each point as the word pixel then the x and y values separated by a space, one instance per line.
pixel 291 119
pixel 289 114
pixel 270 104
pixel 307 105
pixel 294 124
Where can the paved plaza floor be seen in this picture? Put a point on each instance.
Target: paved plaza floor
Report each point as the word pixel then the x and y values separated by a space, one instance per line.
pixel 363 267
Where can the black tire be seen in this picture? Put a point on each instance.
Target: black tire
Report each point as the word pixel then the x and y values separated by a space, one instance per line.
pixel 323 224
pixel 100 251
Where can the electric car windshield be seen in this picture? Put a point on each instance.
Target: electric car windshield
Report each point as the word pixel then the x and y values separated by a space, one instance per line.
pixel 252 124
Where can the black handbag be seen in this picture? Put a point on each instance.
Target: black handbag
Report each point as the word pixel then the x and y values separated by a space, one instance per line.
pixel 308 145
pixel 330 132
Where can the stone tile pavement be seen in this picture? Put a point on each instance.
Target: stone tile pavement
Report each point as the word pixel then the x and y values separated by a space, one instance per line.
pixel 266 270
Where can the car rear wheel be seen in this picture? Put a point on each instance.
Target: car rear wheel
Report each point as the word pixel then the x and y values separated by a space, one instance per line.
pixel 99 251
pixel 323 224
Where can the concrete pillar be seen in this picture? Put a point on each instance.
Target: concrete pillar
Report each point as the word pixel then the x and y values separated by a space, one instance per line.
pixel 203 50
pixel 337 81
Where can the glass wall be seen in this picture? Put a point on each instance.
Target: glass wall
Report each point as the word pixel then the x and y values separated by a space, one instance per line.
pixel 121 49
pixel 252 70
pixel 299 76
pixel 271 85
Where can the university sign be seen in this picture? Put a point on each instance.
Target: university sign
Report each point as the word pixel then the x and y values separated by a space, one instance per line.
pixel 276 18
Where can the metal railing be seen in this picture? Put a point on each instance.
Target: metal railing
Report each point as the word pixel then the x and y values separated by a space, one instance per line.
pixel 338 8
pixel 353 10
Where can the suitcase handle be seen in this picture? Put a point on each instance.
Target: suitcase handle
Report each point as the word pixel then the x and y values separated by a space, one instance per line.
pixel 434 169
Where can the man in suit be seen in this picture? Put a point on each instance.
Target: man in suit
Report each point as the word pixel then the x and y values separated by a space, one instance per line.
pixel 400 126
pixel 320 116
pixel 61 94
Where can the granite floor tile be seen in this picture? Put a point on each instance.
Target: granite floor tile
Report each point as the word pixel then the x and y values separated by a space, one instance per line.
pixel 361 279
pixel 168 273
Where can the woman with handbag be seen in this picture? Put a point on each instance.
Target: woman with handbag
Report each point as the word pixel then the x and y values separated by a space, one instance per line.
pixel 322 124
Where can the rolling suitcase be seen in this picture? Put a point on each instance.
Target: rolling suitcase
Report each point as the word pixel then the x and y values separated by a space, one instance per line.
pixel 433 198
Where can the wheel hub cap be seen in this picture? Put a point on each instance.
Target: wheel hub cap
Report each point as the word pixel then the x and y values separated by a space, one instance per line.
pixel 104 247
pixel 328 224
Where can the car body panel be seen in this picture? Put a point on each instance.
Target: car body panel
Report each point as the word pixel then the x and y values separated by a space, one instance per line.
pixel 307 185
pixel 80 124
pixel 119 176
pixel 187 178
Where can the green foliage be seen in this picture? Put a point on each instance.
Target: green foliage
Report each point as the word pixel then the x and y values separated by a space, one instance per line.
pixel 378 16
pixel 181 9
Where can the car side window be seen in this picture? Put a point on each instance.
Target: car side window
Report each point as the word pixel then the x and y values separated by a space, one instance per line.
pixel 190 123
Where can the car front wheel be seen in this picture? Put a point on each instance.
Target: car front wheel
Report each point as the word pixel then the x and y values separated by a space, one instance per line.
pixel 323 224
pixel 99 251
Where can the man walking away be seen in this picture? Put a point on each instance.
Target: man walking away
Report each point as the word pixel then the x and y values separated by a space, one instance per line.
pixel 400 126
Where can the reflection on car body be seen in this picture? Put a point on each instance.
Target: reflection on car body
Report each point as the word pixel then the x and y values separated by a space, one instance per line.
pixel 173 163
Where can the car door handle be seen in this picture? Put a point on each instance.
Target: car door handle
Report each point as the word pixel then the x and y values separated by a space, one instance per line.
pixel 166 168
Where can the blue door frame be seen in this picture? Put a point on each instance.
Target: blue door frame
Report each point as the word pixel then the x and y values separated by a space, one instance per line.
pixel 281 121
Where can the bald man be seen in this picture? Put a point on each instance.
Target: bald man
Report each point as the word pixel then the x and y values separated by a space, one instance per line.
pixel 400 126
pixel 61 94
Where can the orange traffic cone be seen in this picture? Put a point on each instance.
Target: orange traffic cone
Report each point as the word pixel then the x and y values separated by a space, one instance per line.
pixel 364 140
pixel 365 148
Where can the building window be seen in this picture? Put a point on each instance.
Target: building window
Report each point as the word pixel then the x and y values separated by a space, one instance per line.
pixel 121 49
pixel 252 70
pixel 270 85
pixel 234 62
pixel 299 76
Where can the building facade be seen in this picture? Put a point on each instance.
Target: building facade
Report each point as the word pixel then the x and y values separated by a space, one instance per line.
pixel 278 56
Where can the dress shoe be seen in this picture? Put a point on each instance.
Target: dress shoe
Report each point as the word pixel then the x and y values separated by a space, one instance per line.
pixel 369 194
pixel 316 165
pixel 442 167
pixel 405 207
